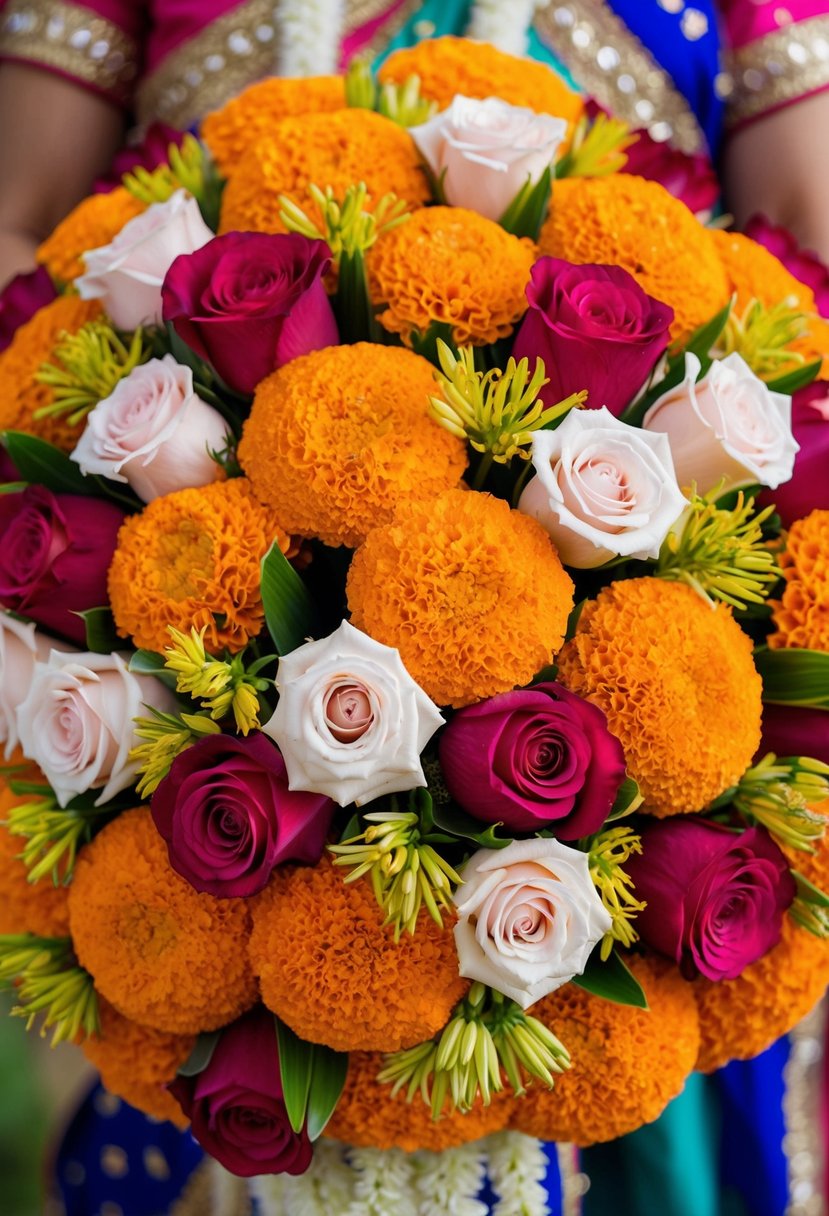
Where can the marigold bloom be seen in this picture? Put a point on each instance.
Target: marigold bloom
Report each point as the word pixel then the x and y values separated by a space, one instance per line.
pixel 369 1117
pixel 94 222
pixel 473 595
pixel 337 150
pixel 191 559
pixel 21 396
pixel 629 222
pixel 330 969
pixel 676 680
pixel 230 131
pixel 335 440
pixel 160 952
pixel 136 1062
pixel 627 1063
pixel 451 266
pixel 26 907
pixel 802 615
pixel 447 66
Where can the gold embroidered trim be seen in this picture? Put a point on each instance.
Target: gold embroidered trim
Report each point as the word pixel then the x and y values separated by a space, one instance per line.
pixel 71 39
pixel 612 65
pixel 780 67
pixel 803 1141
pixel 208 1195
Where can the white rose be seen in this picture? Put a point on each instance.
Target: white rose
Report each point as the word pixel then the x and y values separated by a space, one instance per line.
pixel 77 725
pixel 127 274
pixel 529 917
pixel 727 425
pixel 351 722
pixel 21 647
pixel 153 432
pixel 486 151
pixel 602 489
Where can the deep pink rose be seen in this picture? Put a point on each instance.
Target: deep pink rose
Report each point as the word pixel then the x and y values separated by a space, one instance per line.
pixel 236 1106
pixel 802 263
pixel 595 328
pixel 247 302
pixel 538 757
pixel 55 550
pixel 808 488
pixel 715 898
pixel 152 151
pixel 795 730
pixel 20 299
pixel 228 816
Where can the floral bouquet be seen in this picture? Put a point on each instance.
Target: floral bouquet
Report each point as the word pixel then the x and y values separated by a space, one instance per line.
pixel 415 646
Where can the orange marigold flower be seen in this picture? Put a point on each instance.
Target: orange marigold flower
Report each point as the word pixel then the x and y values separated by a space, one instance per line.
pixel 136 1062
pixel 330 969
pixel 802 615
pixel 677 682
pixel 335 440
pixel 230 131
pixel 450 266
pixel 337 150
pixel 472 594
pixel 447 66
pixel 26 907
pixel 627 1063
pixel 21 396
pixel 192 558
pixel 163 954
pixel 94 222
pixel 637 224
pixel 369 1117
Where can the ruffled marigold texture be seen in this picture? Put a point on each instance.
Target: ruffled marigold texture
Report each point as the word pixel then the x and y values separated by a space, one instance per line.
pixel 450 266
pixel 367 1116
pixel 230 131
pixel 337 150
pixel 136 1062
pixel 447 66
pixel 802 615
pixel 335 440
pixel 328 967
pixel 25 907
pixel 627 221
pixel 21 396
pixel 472 594
pixel 677 682
pixel 160 952
pixel 192 558
pixel 627 1063
pixel 94 222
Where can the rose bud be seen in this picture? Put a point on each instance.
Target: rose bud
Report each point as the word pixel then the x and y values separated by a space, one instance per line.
pixel 808 488
pixel 236 1107
pixel 248 302
pixel 127 274
pixel 153 432
pixel 21 647
pixel 595 328
pixel 229 818
pixel 795 730
pixel 485 152
pixel 715 898
pixel 55 551
pixel 20 299
pixel 535 758
pixel 727 425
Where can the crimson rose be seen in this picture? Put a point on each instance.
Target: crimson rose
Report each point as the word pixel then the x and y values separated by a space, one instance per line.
pixel 20 299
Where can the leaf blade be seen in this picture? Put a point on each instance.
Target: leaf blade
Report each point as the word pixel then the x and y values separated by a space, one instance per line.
pixel 296 1062
pixel 611 981
pixel 290 614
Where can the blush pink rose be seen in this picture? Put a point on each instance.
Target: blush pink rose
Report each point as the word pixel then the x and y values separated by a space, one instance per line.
pixel 21 648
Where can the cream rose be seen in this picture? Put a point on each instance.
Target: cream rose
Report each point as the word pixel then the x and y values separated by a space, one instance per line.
pixel 127 274
pixel 76 723
pixel 484 152
pixel 602 489
pixel 153 432
pixel 21 647
pixel 727 425
pixel 528 918
pixel 351 722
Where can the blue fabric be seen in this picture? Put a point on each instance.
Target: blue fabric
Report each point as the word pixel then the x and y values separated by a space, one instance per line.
pixel 752 1162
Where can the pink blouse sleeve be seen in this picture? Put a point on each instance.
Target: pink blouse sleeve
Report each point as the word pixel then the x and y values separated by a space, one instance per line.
pixel 97 44
pixel 779 53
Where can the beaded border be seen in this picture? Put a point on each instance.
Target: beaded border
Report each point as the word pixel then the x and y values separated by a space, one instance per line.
pixel 780 67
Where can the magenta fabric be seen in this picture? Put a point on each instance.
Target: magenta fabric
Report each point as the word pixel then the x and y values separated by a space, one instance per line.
pixel 360 38
pixel 746 20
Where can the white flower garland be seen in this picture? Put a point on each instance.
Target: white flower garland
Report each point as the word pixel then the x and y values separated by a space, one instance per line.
pixel 451 1181
pixel 311 32
pixel 504 23
pixel 384 1183
pixel 517 1169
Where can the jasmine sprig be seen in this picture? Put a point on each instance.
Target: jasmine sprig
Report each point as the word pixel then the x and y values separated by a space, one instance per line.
pixel 763 336
pixel 165 736
pixel 87 366
pixel 598 148
pixel 607 853
pixel 779 794
pixel 189 167
pixel 52 835
pixel 347 227
pixel 48 981
pixel 222 686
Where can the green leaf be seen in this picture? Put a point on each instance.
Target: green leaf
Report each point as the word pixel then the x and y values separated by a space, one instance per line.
pixel 628 800
pixel 148 663
pixel 799 377
pixel 426 344
pixel 352 301
pixel 794 677
pixel 450 818
pixel 327 1081
pixel 296 1064
pixel 101 636
pixel 612 981
pixel 528 210
pixel 574 618
pixel 808 892
pixel 353 828
pixel 704 339
pixel 41 462
pixel 289 610
pixel 201 1055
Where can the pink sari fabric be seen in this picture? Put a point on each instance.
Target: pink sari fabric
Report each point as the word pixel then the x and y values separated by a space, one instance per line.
pixel 747 20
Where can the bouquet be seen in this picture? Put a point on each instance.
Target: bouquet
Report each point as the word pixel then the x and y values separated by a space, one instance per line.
pixel 415 644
